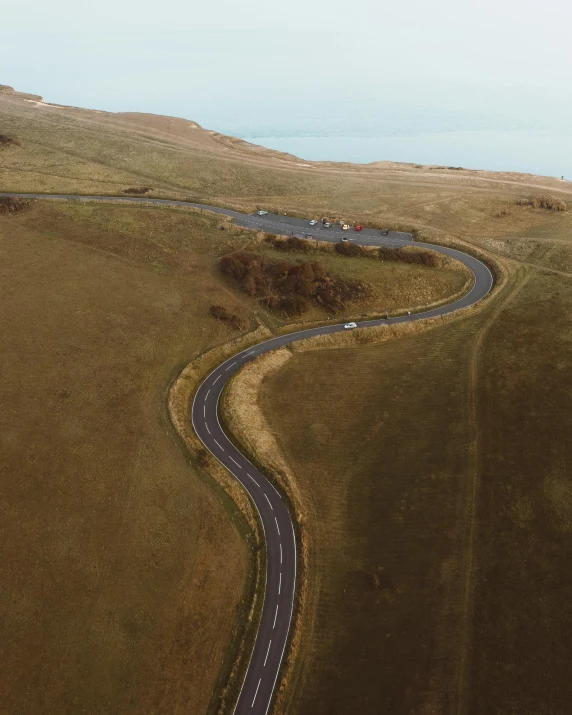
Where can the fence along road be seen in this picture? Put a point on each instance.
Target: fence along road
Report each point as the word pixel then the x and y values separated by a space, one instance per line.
pixel 263 670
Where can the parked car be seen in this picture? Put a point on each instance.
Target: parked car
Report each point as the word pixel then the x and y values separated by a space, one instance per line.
pixel 313 222
pixel 262 213
pixel 327 224
pixel 346 227
pixel 359 228
pixel 385 232
pixel 344 238
pixel 350 326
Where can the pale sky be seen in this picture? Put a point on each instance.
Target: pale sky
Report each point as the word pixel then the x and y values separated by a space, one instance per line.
pixel 208 60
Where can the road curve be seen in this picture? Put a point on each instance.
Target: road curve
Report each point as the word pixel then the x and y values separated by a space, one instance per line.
pixel 262 674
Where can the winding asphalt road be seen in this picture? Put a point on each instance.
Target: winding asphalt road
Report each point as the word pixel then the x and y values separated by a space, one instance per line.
pixel 260 681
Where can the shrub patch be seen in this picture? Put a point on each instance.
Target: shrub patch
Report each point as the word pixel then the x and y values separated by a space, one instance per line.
pixel 290 288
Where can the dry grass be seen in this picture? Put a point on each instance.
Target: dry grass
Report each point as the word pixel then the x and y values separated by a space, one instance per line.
pixel 243 417
pixel 375 335
pixel 116 551
pixel 388 483
pixel 127 551
pixel 386 522
pixel 181 396
pixel 394 286
pixel 98 152
pixel 247 423
pixel 129 292
pixel 365 567
pixel 522 628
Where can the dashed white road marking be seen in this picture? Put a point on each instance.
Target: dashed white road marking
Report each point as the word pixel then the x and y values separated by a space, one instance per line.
pixel 234 460
pixel 275 617
pixel 280 552
pixel 206 396
pixel 204 411
pixel 276 520
pixel 253 479
pixel 217 379
pixel 268 651
pixel 280 583
pixel 231 364
pixel 208 430
pixel 268 500
pixel 256 693
pixel 220 445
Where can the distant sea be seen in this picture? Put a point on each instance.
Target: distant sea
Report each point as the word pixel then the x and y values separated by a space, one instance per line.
pixel 544 152
pixel 498 131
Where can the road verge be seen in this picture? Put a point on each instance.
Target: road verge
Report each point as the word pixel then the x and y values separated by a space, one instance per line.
pixel 179 401
pixel 243 419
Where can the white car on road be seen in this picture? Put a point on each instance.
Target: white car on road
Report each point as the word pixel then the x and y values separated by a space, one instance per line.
pixel 350 326
pixel 313 222
pixel 262 213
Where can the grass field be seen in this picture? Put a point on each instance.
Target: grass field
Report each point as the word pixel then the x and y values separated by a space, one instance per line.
pixel 75 150
pixel 522 625
pixel 386 483
pixel 435 467
pixel 395 287
pixel 116 553
pixel 436 470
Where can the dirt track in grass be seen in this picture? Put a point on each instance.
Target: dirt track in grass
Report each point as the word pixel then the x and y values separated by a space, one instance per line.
pixel 438 571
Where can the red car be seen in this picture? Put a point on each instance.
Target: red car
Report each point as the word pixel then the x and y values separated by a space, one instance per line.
pixel 359 228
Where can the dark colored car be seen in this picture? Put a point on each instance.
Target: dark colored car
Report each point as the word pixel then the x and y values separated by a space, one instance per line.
pixel 385 232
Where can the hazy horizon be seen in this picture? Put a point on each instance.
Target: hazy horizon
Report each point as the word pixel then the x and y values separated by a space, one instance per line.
pixel 321 70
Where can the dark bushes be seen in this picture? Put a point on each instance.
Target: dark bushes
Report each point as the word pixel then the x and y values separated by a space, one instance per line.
pixel 290 288
pixel 138 191
pixel 5 140
pixel 417 257
pixel 544 202
pixel 203 457
pixel 291 305
pixel 399 255
pixel 345 248
pixel 221 313
pixel 293 243
pixel 10 205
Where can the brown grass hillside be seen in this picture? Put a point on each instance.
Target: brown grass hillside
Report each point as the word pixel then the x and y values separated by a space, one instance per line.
pixel 436 476
pixel 76 150
pixel 112 552
pixel 116 551
pixel 436 466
